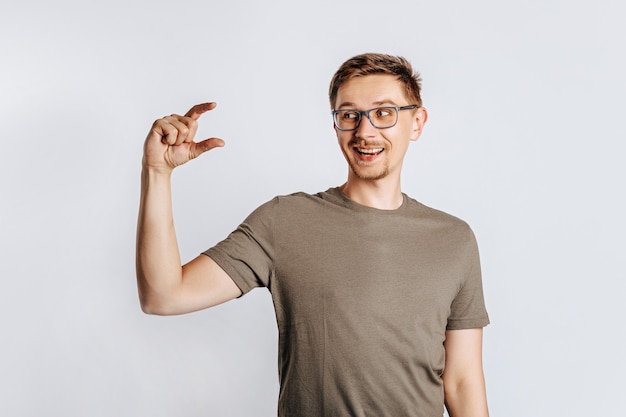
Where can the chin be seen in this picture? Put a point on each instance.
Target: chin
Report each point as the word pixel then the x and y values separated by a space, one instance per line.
pixel 369 175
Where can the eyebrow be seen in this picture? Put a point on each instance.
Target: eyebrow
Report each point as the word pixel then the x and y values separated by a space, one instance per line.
pixel 384 102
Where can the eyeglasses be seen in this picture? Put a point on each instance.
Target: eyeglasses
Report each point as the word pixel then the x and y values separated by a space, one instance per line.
pixel 380 117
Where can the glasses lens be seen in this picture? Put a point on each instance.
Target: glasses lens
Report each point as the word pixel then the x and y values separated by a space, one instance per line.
pixel 347 119
pixel 383 117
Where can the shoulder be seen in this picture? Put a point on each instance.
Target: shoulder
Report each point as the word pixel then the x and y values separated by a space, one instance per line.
pixel 302 199
pixel 439 219
pixel 297 202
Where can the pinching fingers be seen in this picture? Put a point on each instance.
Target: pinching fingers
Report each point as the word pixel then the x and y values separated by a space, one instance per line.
pixel 196 111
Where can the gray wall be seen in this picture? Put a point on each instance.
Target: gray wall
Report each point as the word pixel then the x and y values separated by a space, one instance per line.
pixel 525 141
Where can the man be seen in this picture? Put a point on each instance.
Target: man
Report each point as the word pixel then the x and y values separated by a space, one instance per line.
pixel 378 298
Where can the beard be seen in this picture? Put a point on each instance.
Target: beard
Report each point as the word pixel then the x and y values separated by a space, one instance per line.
pixel 363 171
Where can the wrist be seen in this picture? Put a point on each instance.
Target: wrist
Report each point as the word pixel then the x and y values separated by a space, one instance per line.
pixel 155 171
pixel 155 175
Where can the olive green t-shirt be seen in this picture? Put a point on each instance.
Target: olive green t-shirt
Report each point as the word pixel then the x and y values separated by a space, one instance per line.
pixel 363 298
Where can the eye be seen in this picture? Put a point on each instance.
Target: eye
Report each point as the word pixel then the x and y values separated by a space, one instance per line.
pixel 383 112
pixel 349 115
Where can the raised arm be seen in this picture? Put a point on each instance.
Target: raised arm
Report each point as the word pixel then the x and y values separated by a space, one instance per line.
pixel 463 379
pixel 165 286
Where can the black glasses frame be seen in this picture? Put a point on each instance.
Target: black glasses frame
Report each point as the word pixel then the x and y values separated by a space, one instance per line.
pixel 366 113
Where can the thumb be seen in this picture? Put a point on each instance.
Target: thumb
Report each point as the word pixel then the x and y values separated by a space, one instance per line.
pixel 207 145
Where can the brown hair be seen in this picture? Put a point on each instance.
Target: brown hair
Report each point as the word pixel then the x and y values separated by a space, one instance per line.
pixel 371 63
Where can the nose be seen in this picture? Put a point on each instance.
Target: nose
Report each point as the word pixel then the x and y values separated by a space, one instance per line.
pixel 366 128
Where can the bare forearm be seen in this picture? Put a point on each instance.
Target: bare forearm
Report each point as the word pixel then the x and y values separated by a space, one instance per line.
pixel 463 377
pixel 466 399
pixel 157 259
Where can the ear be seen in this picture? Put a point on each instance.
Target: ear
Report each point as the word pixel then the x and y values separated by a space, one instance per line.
pixel 421 115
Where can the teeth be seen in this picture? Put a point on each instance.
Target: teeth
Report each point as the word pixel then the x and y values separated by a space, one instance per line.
pixel 370 151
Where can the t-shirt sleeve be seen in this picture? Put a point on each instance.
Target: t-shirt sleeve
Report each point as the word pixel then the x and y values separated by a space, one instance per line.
pixel 468 307
pixel 246 255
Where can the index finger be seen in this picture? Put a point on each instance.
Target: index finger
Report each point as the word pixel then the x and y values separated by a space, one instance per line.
pixel 196 111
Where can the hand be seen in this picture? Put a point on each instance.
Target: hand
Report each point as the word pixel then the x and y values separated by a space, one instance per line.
pixel 170 141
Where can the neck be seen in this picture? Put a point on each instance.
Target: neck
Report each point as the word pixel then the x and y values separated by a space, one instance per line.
pixel 383 194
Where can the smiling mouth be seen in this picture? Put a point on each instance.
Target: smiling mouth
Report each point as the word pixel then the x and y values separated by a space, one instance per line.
pixel 369 151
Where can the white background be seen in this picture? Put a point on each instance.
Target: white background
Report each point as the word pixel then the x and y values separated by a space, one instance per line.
pixel 525 142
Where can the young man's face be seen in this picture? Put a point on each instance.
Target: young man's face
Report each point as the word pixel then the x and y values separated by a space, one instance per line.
pixel 374 153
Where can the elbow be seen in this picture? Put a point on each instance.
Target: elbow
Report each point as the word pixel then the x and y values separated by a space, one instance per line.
pixel 150 307
pixel 151 301
pixel 156 307
pixel 152 304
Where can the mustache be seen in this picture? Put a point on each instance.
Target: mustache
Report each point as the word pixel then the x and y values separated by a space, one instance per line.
pixel 365 143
